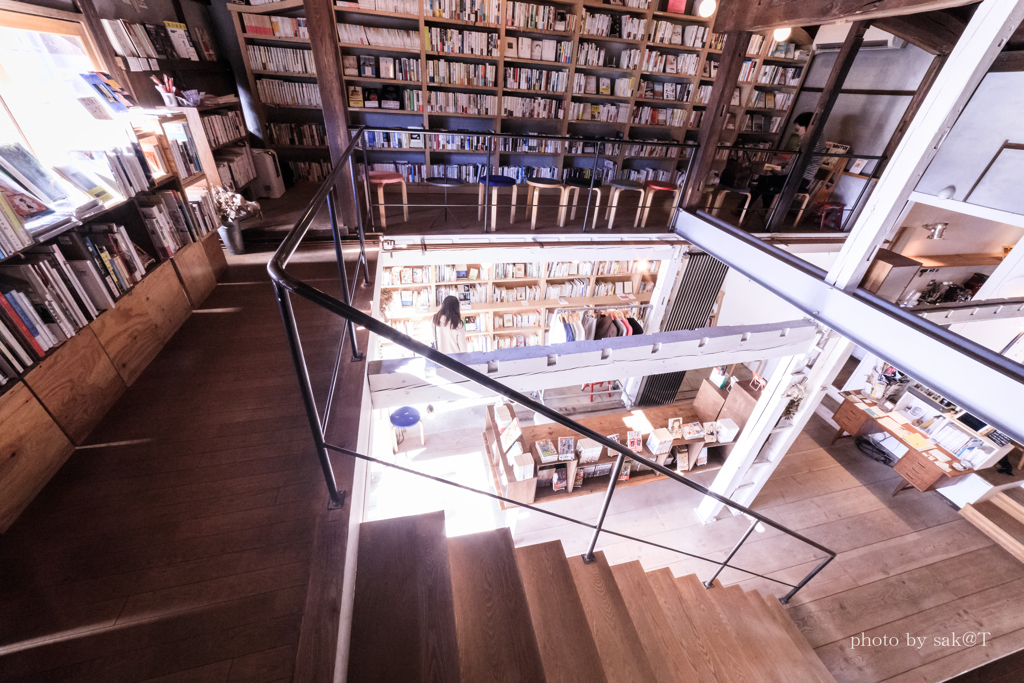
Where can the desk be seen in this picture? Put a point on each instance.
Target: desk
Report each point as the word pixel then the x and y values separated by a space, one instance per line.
pixel 925 468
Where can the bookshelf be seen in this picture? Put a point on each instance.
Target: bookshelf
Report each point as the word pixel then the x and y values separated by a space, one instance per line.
pixel 626 154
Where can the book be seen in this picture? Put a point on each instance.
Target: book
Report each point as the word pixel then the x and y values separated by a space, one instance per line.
pixel 511 48
pixel 350 65
pixel 390 98
pixel 605 86
pixel 591 85
pixel 368 66
pixel 675 427
pixel 180 40
pixel 355 96
pixel 387 67
pixel 693 430
pixel 19 163
pixel 560 479
pixel 566 447
pixel 546 451
pixel 635 442
pixel 371 98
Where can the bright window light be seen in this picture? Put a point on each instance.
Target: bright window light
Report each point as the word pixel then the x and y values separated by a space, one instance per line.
pixel 707 8
pixel 782 33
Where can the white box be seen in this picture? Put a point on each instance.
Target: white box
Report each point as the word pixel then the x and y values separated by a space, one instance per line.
pixel 660 441
pixel 727 430
pixel 269 183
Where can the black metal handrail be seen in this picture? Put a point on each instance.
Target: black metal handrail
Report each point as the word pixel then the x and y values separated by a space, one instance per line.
pixel 286 285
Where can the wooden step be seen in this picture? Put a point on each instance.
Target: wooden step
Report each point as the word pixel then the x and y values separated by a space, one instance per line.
pixel 779 661
pixel 784 621
pixel 557 615
pixel 1012 502
pixel 698 646
pixel 492 618
pixel 665 651
pixel 739 663
pixel 622 654
pixel 403 622
pixel 998 525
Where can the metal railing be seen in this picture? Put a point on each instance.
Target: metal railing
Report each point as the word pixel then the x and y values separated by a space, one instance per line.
pixel 286 285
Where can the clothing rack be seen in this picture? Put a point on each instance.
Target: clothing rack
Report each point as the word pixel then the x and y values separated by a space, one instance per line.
pixel 642 309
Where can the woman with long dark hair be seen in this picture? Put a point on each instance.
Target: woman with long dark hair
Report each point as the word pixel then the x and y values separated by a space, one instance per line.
pixel 449 331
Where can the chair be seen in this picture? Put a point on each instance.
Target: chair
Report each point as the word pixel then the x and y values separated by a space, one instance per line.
pixel 533 197
pixel 445 182
pixel 653 186
pixel 402 419
pixel 496 181
pixel 574 186
pixel 382 178
pixel 833 167
pixel 618 187
pixel 718 194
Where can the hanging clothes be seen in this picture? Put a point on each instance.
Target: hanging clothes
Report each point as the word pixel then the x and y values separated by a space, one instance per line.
pixel 637 329
pixel 577 328
pixel 557 334
pixel 589 326
pixel 605 328
pixel 569 336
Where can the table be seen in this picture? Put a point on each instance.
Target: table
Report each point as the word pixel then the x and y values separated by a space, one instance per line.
pixel 925 467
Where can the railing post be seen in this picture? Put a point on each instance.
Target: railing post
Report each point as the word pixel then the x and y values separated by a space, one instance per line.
pixel 490 144
pixel 590 192
pixel 366 179
pixel 359 218
pixel 689 169
pixel 746 535
pixel 337 499
pixel 588 556
pixel 789 596
pixel 860 195
pixel 342 274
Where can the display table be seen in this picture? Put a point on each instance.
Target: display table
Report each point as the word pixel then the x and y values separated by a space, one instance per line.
pixel 643 420
pixel 925 465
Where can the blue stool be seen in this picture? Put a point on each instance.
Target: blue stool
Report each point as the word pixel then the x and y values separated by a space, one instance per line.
pixel 402 419
pixel 495 181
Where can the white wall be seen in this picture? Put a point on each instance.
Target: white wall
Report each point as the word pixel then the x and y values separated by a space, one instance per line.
pixel 964 235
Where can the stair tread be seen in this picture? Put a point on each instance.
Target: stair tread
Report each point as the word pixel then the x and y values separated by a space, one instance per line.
pixel 1011 501
pixel 618 643
pixel 403 595
pixel 711 617
pixel 492 618
pixel 782 618
pixel 779 661
pixel 557 615
pixel 1015 493
pixel 665 651
pixel 785 654
pixel 701 651
pixel 998 525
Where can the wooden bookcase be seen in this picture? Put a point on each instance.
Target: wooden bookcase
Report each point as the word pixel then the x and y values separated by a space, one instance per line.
pixel 561 160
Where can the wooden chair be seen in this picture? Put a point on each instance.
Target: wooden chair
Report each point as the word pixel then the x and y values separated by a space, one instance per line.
pixel 653 186
pixel 494 182
pixel 617 188
pixel 535 185
pixel 575 185
pixel 382 178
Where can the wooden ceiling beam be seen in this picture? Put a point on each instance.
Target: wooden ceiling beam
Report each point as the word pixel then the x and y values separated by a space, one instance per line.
pixel 761 15
pixel 934 32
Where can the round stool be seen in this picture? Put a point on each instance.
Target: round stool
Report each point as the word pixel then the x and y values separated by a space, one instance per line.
pixel 402 419
pixel 653 186
pixel 574 186
pixel 533 197
pixel 496 181
pixel 618 187
pixel 382 178
pixel 445 182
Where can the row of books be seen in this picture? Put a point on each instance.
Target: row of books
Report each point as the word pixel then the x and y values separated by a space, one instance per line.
pixel 569 268
pixel 748 71
pixel 13 235
pixel 762 123
pixel 544 17
pixel 390 6
pixel 399 69
pixel 603 173
pixel 281 59
pixel 514 341
pixel 529 145
pixel 659 116
pixel 576 287
pixel 462 103
pixel 235 168
pixel 455 41
pixel 382 140
pixel 652 151
pixel 171 221
pixel 778 75
pixel 656 90
pixel 684 64
pixel 183 148
pixel 709 69
pixel 781 101
pixel 518 320
pixel 444 72
pixel 696 116
pixel 541 50
pixel 541 80
pixel 354 34
pixel 521 173
pixel 474 294
pixel 532 107
pixel 460 141
pixel 389 97
pixel 153 41
pixel 584 84
pixel 611 113
pixel 303 134
pixel 617 25
pixel 703 94
pixel 279 27
pixel 273 91
pixel 589 147
pixel 642 175
pixel 482 11
pixel 667 33
pixel 512 271
pixel 223 127
pixel 310 171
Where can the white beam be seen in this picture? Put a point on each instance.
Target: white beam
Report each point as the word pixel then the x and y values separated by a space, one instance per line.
pixel 527 369
pixel 982 40
pixel 971 311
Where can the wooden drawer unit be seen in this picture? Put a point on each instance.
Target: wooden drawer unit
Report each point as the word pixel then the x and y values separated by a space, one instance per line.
pixel 919 471
pixel 850 418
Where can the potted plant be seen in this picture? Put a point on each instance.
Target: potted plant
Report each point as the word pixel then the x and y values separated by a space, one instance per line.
pixel 233 208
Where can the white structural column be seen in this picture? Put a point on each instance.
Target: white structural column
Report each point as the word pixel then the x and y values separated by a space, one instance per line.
pixel 992 23
pixel 753 459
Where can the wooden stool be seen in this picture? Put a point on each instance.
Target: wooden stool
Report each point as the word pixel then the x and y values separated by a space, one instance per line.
pixel 402 419
pixel 723 190
pixel 496 181
pixel 618 187
pixel 382 178
pixel 533 196
pixel 577 184
pixel 653 186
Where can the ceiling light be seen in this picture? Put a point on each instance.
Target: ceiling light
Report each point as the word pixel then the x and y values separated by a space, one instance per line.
pixel 936 231
pixel 707 8
pixel 782 33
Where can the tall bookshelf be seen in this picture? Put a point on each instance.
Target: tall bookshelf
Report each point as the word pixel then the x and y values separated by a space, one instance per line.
pixel 621 153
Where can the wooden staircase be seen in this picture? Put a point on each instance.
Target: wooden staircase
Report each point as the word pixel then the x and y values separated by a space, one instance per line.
pixel 1001 518
pixel 477 609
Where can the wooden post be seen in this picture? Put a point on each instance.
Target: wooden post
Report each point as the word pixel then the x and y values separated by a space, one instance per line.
pixel 323 38
pixel 915 103
pixel 733 53
pixel 816 129
pixel 99 36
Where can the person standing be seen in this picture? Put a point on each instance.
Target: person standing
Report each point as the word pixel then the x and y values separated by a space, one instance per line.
pixel 449 330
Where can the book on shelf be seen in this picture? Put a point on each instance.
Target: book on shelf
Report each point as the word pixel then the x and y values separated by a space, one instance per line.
pixel 566 447
pixel 546 451
pixel 387 67
pixel 350 65
pixel 390 98
pixel 605 87
pixel 181 40
pixel 511 48
pixel 560 480
pixel 355 96
pixel 371 98
pixel 368 66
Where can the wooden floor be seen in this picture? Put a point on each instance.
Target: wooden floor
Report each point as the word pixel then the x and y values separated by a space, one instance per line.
pixel 176 544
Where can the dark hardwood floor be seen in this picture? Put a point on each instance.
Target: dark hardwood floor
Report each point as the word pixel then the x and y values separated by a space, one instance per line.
pixel 176 544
